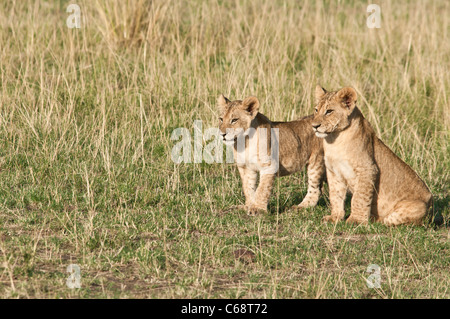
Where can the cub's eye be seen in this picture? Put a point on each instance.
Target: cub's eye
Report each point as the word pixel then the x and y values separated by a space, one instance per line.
pixel 234 121
pixel 220 119
pixel 329 112
pixel 316 110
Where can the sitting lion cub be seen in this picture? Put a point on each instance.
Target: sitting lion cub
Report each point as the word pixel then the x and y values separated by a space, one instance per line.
pixel 383 186
pixel 260 143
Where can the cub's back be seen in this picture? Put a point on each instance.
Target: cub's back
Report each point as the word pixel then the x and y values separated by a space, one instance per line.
pixel 397 180
pixel 301 128
pixel 297 143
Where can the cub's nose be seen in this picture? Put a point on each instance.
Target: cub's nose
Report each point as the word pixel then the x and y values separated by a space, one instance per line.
pixel 315 126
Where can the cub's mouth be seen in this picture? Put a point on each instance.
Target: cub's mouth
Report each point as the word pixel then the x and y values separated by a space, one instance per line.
pixel 229 141
pixel 320 134
pixel 318 126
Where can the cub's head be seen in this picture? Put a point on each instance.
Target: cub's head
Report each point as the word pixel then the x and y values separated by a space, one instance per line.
pixel 333 110
pixel 235 117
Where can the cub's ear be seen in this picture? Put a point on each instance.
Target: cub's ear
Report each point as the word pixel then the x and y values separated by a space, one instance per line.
pixel 251 105
pixel 348 97
pixel 222 103
pixel 320 92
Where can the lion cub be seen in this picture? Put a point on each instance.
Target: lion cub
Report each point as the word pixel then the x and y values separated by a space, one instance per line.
pixel 383 186
pixel 260 143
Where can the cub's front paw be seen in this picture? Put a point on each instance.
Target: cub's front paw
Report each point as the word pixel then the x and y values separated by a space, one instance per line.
pixel 331 219
pixel 253 211
pixel 356 220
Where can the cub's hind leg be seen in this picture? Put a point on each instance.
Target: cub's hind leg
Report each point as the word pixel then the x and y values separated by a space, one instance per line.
pixel 406 212
pixel 316 175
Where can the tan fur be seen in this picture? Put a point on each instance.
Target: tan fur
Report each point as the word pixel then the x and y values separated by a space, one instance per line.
pixel 298 146
pixel 383 186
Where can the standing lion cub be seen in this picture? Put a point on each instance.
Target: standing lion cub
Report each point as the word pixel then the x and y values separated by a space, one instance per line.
pixel 259 143
pixel 383 186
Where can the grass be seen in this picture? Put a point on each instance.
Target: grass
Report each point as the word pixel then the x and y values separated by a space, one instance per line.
pixel 86 176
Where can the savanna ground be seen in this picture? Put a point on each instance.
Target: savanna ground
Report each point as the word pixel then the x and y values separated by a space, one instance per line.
pixel 86 175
